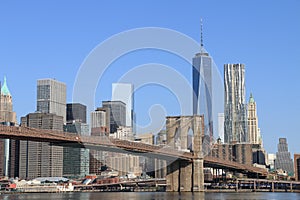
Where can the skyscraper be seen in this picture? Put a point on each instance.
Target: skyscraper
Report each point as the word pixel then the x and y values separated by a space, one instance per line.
pixel 125 92
pixel 235 125
pixel 202 87
pixel 100 121
pixel 76 160
pixel 100 125
pixel 283 157
pixel 9 155
pixel 76 112
pixel 51 97
pixel 117 114
pixel 253 130
pixel 41 159
pixel 297 166
pixel 6 108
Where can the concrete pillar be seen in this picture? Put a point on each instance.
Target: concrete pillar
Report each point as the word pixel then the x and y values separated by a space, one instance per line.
pixel 198 175
pixel 160 168
pixel 291 187
pixel 157 168
pixel 272 186
pixel 186 170
pixel 164 168
pixel 172 177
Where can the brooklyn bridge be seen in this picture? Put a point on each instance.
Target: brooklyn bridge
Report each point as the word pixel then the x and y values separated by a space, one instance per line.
pixel 184 169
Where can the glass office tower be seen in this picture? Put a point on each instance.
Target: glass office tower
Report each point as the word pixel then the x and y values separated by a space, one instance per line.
pixel 235 125
pixel 202 89
pixel 117 114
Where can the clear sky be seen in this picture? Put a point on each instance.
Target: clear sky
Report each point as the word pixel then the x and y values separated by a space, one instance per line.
pixel 51 39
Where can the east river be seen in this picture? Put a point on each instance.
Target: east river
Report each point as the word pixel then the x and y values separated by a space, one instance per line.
pixel 148 195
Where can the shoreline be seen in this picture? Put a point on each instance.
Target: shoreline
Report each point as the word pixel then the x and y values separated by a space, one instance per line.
pixel 140 191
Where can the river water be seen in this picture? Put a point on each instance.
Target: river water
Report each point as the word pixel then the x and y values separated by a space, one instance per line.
pixel 148 195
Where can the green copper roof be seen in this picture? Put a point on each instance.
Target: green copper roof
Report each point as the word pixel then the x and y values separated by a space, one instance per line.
pixel 251 100
pixel 4 89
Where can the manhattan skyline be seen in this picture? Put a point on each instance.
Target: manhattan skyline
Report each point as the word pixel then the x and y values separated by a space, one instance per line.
pixel 52 39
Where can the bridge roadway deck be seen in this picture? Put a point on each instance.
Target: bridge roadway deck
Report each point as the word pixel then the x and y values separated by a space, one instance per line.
pixel 122 146
pixel 97 142
pixel 214 162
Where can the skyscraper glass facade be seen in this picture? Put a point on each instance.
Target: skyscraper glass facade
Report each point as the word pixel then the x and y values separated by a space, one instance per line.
pixel 76 161
pixel 235 110
pixel 117 114
pixel 76 112
pixel 202 89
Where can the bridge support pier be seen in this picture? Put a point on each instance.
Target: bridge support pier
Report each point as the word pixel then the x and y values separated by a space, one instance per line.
pixel 160 168
pixel 186 171
pixel 172 178
pixel 198 176
pixel 185 176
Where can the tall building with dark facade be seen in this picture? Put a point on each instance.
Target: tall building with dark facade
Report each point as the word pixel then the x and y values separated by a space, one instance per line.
pixel 41 159
pixel 259 155
pixel 297 166
pixel 76 112
pixel 117 114
pixel 76 160
pixel 8 148
pixel 235 108
pixel 51 97
pixel 202 87
pixel 283 157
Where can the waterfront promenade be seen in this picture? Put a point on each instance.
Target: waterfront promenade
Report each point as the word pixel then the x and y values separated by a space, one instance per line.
pixel 159 185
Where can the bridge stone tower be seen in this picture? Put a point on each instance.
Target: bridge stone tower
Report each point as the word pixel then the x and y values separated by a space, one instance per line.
pixel 184 175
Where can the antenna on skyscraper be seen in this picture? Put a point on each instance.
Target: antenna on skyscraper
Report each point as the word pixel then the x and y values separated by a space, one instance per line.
pixel 201 33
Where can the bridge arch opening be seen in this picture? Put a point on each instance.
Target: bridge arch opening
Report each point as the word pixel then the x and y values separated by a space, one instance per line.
pixel 190 139
pixel 177 141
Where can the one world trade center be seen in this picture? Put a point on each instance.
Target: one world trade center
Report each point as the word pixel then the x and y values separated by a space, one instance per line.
pixel 202 88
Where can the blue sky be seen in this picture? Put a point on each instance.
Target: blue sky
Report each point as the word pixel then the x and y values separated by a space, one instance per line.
pixel 51 39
